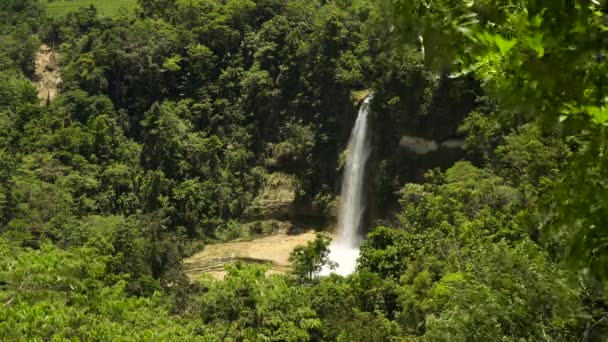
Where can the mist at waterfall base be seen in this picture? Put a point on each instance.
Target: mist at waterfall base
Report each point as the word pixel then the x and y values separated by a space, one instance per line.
pixel 344 249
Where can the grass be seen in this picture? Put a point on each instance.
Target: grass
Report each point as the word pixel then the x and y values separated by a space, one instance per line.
pixel 107 8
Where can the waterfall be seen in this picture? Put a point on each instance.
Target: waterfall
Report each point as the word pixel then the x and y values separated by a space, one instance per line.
pixel 344 249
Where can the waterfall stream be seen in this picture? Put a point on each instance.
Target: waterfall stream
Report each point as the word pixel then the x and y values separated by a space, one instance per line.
pixel 344 249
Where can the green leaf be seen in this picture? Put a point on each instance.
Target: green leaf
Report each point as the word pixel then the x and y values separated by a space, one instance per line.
pixel 599 115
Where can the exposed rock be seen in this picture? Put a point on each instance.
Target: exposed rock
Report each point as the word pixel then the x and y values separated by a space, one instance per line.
pixel 48 76
pixel 453 143
pixel 272 250
pixel 418 145
pixel 275 201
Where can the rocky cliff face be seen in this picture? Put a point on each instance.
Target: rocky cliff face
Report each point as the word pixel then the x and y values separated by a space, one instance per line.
pixel 414 129
pixel 47 73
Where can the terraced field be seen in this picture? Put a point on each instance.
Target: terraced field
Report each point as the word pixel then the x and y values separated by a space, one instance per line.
pixel 105 7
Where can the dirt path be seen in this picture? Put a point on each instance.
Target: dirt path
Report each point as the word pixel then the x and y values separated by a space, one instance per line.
pixel 272 249
pixel 48 76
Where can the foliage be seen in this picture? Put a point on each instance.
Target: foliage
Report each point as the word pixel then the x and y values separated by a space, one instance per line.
pixel 179 122
pixel 513 50
pixel 247 304
pixel 309 260
pixel 64 294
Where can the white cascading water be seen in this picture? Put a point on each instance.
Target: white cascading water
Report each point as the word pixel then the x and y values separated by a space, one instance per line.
pixel 344 249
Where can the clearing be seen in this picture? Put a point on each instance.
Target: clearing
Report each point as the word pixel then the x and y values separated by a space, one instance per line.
pixel 104 7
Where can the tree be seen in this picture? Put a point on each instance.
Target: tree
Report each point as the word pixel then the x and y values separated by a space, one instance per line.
pixel 70 289
pixel 310 259
pixel 247 304
pixel 512 51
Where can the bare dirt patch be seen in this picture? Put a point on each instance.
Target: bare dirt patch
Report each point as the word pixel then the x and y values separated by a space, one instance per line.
pixel 273 250
pixel 48 74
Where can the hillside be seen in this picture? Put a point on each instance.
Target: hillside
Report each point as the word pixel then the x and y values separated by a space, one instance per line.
pixel 303 170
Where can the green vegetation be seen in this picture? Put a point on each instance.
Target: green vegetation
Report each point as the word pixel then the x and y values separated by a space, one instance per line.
pixel 108 8
pixel 183 122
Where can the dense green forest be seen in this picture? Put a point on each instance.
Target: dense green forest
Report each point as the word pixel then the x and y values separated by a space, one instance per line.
pixel 176 124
